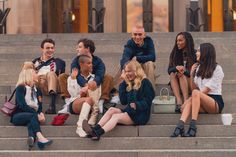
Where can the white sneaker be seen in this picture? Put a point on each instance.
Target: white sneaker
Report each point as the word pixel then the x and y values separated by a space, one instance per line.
pixel 65 110
pixel 100 105
pixel 115 99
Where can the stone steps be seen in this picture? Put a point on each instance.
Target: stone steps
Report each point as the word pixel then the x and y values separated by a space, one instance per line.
pixel 155 119
pixel 122 131
pixel 127 143
pixel 124 153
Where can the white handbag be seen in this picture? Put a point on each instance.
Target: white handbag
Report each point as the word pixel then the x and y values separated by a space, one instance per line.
pixel 164 103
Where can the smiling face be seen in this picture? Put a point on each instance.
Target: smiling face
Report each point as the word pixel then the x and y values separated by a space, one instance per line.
pixel 181 42
pixel 138 35
pixel 48 50
pixel 198 54
pixel 130 73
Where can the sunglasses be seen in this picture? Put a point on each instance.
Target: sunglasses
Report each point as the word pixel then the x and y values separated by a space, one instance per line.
pixel 137 34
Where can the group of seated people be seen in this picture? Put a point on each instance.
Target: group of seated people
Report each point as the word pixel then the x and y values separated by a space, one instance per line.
pixel 87 86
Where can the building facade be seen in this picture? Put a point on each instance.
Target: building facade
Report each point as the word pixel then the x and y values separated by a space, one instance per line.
pixel 73 16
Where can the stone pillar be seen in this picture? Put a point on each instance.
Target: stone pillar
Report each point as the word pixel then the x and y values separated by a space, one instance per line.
pixel 180 14
pixel 25 17
pixel 113 16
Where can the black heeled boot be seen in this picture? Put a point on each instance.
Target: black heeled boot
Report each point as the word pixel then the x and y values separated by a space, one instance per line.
pixel 98 130
pixel 179 130
pixel 52 107
pixel 93 132
pixel 178 108
pixel 192 131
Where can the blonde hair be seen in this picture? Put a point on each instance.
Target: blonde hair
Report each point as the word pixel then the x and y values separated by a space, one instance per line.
pixel 25 77
pixel 28 65
pixel 139 75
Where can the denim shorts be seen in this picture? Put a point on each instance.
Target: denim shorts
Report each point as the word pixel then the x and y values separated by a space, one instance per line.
pixel 219 100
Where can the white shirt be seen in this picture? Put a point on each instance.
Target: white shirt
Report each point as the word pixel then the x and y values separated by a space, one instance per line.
pixel 32 102
pixel 214 83
pixel 45 69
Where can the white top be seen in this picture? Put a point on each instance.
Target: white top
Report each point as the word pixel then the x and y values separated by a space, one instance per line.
pixel 45 69
pixel 31 101
pixel 214 83
pixel 74 88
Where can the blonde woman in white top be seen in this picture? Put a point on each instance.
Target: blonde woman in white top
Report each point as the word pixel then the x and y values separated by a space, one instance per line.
pixel 206 83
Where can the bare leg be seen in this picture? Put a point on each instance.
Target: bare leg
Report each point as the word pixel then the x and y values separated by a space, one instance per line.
pixel 184 86
pixel 77 104
pixel 187 107
pixel 121 118
pixel 174 82
pixel 107 116
pixel 203 102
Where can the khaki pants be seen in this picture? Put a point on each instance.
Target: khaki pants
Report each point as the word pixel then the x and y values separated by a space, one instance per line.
pixel 48 82
pixel 149 69
pixel 106 87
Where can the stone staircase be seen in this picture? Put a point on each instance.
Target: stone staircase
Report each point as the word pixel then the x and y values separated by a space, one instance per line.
pixel 213 139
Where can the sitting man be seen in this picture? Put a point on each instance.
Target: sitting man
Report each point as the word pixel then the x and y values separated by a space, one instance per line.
pixel 87 47
pixel 48 69
pixel 140 48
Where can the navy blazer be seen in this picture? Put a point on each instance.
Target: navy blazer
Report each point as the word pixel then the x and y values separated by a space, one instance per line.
pixel 60 64
pixel 142 98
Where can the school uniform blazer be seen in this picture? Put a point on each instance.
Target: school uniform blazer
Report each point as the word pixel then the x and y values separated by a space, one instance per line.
pixel 60 64
pixel 98 70
pixel 142 98
pixel 21 103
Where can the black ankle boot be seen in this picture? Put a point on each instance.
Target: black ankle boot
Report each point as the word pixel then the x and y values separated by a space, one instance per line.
pixel 98 132
pixel 178 108
pixel 179 130
pixel 192 131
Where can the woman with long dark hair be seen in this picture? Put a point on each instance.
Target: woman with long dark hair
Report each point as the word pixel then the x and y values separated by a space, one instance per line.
pixel 181 59
pixel 206 83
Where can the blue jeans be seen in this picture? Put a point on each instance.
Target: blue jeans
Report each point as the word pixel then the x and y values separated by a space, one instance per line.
pixel 27 119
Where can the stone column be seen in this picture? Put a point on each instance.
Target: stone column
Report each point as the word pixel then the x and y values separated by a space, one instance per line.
pixel 113 16
pixel 25 17
pixel 180 14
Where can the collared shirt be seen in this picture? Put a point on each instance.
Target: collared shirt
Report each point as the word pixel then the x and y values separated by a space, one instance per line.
pixel 51 66
pixel 31 97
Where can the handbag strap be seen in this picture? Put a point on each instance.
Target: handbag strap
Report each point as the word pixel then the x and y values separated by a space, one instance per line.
pixel 164 88
pixel 12 95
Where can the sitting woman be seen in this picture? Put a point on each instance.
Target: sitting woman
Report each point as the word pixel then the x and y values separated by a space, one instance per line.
pixel 206 84
pixel 181 60
pixel 137 93
pixel 29 108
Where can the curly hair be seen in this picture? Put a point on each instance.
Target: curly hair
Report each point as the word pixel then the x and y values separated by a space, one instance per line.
pixel 176 56
pixel 139 75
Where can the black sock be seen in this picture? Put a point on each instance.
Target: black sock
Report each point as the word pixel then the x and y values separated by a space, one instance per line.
pixel 53 100
pixel 180 124
pixel 192 123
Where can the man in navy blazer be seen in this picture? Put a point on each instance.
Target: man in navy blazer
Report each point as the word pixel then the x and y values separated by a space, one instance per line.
pixel 49 68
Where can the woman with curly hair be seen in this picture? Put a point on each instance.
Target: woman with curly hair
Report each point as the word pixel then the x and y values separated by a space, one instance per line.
pixel 137 93
pixel 206 83
pixel 182 57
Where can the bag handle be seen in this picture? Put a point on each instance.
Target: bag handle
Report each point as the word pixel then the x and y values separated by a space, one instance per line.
pixel 166 89
pixel 11 95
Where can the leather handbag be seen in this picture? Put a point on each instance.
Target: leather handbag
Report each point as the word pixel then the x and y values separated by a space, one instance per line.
pixel 8 107
pixel 164 103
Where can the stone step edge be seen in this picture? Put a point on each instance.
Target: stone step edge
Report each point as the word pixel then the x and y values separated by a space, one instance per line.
pixel 134 137
pixel 120 151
